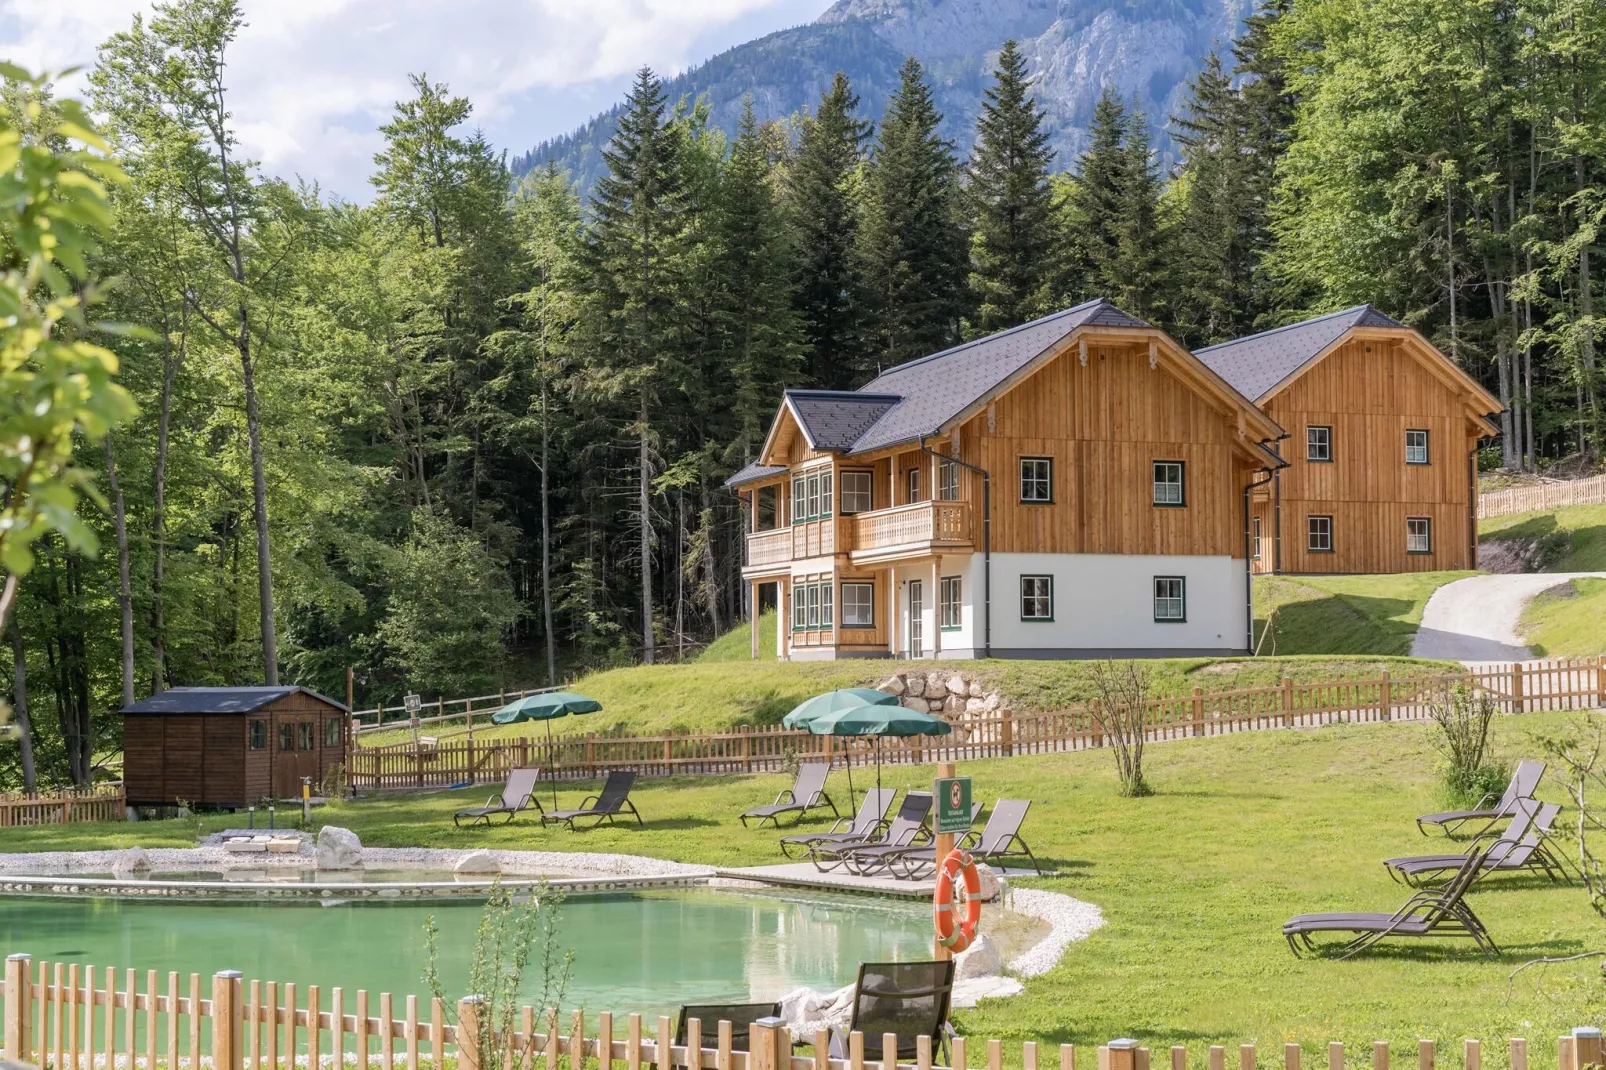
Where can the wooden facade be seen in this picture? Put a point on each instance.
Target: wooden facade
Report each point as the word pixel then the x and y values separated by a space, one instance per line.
pixel 1369 390
pixel 199 746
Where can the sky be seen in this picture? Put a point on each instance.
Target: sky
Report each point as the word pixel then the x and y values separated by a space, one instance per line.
pixel 311 81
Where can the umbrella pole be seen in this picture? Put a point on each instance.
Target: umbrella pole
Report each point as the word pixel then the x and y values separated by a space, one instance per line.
pixel 551 766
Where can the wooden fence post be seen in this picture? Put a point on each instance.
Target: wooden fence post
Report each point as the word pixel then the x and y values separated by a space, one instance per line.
pixel 1518 704
pixel 1119 1054
pixel 1600 680
pixel 1198 711
pixel 19 1009
pixel 227 1034
pixel 1288 701
pixel 1519 1053
pixel 1006 730
pixel 771 1045
pixel 1335 1055
pixel 1587 1047
pixel 1380 1055
pixel 1424 1054
pixel 1471 1055
pixel 1290 1057
pixel 1385 697
pixel 468 1032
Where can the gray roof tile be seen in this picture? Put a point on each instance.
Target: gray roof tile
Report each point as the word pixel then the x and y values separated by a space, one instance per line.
pixel 834 419
pixel 218 699
pixel 1258 362
pixel 755 471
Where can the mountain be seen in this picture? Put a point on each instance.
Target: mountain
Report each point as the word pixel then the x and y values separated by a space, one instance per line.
pixel 1147 49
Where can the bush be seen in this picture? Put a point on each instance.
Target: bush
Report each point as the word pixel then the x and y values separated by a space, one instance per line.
pixel 1122 707
pixel 1463 716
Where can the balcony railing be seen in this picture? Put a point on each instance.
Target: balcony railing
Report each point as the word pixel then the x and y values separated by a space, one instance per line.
pixel 885 534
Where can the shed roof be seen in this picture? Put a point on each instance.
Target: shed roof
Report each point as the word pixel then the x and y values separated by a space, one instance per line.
pixel 1256 363
pixel 219 699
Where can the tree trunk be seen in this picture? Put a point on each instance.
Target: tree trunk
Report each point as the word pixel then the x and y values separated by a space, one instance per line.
pixel 546 543
pixel 644 503
pixel 125 594
pixel 19 702
pixel 159 508
pixel 259 506
pixel 711 584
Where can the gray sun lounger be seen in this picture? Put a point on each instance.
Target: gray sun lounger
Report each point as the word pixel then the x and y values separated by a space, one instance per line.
pixel 805 795
pixel 869 858
pixel 517 795
pixel 610 802
pixel 999 839
pixel 1441 912
pixel 1523 784
pixel 861 829
pixel 1522 846
pixel 908 829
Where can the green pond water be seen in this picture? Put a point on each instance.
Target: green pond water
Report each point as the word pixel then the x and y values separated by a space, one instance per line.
pixel 649 951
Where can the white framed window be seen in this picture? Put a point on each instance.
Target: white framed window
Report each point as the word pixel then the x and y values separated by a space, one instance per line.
pixel 858 605
pixel 1037 479
pixel 950 603
pixel 1169 487
pixel 947 481
pixel 827 618
pixel 811 495
pixel 912 481
pixel 800 608
pixel 812 597
pixel 800 499
pixel 812 480
pixel 825 492
pixel 858 492
pixel 1256 542
pixel 1319 444
pixel 1037 598
pixel 1319 534
pixel 1170 599
pixel 1418 535
pixel 1416 447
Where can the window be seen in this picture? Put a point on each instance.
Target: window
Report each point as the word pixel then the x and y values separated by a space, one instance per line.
pixel 768 508
pixel 1170 599
pixel 811 495
pixel 811 597
pixel 1416 447
pixel 1319 444
pixel 287 736
pixel 1319 534
pixel 1168 485
pixel 858 605
pixel 811 606
pixel 800 499
pixel 1418 535
pixel 331 732
pixel 947 481
pixel 1037 598
pixel 1256 525
pixel 811 485
pixel 258 735
pixel 912 478
pixel 827 619
pixel 800 608
pixel 857 492
pixel 949 602
pixel 1036 479
pixel 306 737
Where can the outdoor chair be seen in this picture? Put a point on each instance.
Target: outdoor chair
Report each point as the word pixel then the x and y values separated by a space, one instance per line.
pixel 804 795
pixel 1523 784
pixel 871 816
pixel 741 1016
pixel 516 795
pixel 613 800
pixel 870 858
pixel 998 840
pixel 908 829
pixel 1441 912
pixel 907 999
pixel 1522 846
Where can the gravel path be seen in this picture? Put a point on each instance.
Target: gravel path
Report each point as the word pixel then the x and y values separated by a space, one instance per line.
pixel 1476 619
pixel 1069 920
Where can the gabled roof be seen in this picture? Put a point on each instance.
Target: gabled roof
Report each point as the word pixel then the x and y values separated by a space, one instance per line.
pixel 754 472
pixel 1258 362
pixel 219 699
pixel 834 419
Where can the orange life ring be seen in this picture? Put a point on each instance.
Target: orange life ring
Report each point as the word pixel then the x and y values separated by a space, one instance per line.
pixel 953 932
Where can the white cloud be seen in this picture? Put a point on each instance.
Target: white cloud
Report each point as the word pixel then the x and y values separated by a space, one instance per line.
pixel 310 80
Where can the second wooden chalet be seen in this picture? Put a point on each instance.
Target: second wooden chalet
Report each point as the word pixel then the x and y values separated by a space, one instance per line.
pixel 1382 448
pixel 1075 486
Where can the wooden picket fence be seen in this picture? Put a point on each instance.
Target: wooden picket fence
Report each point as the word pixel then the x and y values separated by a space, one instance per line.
pixel 1518 687
pixel 1537 497
pixel 104 803
pixel 390 718
pixel 64 1016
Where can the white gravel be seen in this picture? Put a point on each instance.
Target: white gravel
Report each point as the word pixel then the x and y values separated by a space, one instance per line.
pixel 1069 920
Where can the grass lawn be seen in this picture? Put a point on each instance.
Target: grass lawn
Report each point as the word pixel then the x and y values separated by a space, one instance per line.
pixel 1572 539
pixel 1195 882
pixel 1345 614
pixel 1568 621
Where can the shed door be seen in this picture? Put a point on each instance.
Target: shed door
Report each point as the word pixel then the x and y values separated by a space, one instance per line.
pixel 287 762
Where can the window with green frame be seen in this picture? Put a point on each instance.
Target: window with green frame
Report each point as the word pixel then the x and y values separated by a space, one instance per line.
pixel 811 495
pixel 812 608
pixel 949 602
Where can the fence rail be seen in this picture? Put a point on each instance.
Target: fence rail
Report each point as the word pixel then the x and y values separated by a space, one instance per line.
pixel 64 1016
pixel 1539 496
pixel 94 804
pixel 1520 687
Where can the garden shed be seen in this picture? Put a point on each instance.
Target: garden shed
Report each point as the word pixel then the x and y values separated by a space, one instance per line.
pixel 230 746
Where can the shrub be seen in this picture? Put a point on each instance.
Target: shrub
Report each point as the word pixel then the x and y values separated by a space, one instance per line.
pixel 1463 716
pixel 1122 707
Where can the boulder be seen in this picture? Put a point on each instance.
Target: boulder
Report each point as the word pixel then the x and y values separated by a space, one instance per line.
pixel 133 863
pixel 992 701
pixel 974 705
pixel 990 884
pixel 338 848
pixel 953 704
pixel 478 862
pixel 976 689
pixel 981 959
pixel 958 685
pixel 935 704
pixel 915 704
pixel 915 685
pixel 892 685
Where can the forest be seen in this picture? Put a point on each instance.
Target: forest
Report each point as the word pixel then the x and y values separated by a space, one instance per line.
pixel 475 431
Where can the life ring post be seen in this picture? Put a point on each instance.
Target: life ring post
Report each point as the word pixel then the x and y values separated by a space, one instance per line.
pixel 944 847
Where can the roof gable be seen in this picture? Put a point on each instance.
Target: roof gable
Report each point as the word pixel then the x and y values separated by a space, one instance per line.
pixel 219 699
pixel 835 419
pixel 1258 362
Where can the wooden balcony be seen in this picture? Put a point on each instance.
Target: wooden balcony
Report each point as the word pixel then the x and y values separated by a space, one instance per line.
pixel 911 531
pixel 772 552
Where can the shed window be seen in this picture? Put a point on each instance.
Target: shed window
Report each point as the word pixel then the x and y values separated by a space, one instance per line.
pixel 287 736
pixel 1037 598
pixel 1170 599
pixel 1416 447
pixel 1319 444
pixel 257 735
pixel 331 732
pixel 1037 479
pixel 1418 535
pixel 1168 483
pixel 857 492
pixel 1319 534
pixel 858 605
pixel 306 737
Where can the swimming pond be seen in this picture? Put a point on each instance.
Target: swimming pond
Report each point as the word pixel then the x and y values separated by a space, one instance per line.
pixel 646 951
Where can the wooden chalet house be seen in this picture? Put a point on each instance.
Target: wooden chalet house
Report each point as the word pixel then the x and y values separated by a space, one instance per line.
pixel 1382 450
pixel 1077 485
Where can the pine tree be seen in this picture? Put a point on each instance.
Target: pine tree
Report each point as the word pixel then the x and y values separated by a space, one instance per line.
pixel 1266 107
pixel 1135 279
pixel 913 249
pixel 1013 243
pixel 823 196
pixel 1093 207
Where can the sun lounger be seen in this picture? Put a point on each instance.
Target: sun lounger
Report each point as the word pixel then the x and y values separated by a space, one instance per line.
pixel 607 804
pixel 868 859
pixel 1523 784
pixel 998 840
pixel 907 999
pixel 806 794
pixel 741 1016
pixel 908 829
pixel 863 828
pixel 1442 912
pixel 1522 846
pixel 518 794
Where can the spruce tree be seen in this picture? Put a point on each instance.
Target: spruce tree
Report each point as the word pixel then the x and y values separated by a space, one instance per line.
pixel 823 196
pixel 1135 278
pixel 1265 106
pixel 1013 242
pixel 913 250
pixel 1093 207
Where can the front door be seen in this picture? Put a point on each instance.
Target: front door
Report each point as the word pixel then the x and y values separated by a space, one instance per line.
pixel 917 614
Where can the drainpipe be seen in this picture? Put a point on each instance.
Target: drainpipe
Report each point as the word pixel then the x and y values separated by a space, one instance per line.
pixel 1249 560
pixel 986 545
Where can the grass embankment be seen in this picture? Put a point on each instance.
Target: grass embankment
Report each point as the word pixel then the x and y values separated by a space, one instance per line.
pixel 1568 620
pixel 1195 882
pixel 1345 614
pixel 1571 539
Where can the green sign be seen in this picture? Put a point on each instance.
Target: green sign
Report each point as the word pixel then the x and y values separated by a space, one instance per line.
pixel 953 804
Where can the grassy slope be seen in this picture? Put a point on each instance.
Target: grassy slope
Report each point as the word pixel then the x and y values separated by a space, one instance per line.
pixel 1579 531
pixel 1243 832
pixel 1569 621
pixel 1345 614
pixel 737 644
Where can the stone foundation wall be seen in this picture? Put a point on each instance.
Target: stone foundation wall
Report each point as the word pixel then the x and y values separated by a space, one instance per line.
pixel 960 698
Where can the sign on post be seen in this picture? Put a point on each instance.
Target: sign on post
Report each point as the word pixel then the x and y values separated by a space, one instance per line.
pixel 412 704
pixel 953 804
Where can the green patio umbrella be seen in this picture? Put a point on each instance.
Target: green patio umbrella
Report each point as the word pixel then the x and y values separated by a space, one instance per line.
pixel 877 720
pixel 836 702
pixel 548 707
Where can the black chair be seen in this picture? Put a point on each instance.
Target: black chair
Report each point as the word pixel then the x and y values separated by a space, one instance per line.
pixel 907 999
pixel 741 1016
